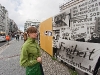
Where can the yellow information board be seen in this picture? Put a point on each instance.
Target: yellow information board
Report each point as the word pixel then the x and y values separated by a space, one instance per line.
pixel 46 39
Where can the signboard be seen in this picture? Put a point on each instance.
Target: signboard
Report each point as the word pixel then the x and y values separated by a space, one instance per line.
pixel 85 13
pixel 78 42
pixel 80 55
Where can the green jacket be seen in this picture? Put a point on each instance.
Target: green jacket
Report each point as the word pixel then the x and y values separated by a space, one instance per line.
pixel 29 53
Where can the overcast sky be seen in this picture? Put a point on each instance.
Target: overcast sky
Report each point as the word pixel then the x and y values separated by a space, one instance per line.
pixel 22 10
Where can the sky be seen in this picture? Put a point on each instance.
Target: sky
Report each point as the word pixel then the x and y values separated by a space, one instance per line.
pixel 22 10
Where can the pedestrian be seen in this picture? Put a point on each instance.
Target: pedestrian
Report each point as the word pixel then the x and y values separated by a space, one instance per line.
pixel 21 36
pixel 7 39
pixel 30 57
pixel 17 37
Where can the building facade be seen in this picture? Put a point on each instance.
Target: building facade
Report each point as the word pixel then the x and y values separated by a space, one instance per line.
pixel 31 23
pixel 3 18
pixel 13 28
pixel 6 24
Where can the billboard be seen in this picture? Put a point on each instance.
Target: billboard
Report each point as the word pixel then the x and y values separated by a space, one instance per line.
pixel 45 29
pixel 76 40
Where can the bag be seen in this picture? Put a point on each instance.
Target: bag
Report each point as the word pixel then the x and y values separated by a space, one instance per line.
pixel 34 70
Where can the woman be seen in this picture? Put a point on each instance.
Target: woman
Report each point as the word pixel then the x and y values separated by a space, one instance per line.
pixel 30 54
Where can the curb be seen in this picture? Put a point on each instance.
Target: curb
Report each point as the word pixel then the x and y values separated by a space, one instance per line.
pixel 6 44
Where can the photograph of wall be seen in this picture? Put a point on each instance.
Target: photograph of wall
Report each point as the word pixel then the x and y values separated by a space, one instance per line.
pixel 76 35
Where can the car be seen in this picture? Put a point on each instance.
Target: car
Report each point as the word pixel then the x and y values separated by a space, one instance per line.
pixel 2 37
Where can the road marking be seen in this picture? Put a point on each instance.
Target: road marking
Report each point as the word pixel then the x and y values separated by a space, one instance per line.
pixel 8 57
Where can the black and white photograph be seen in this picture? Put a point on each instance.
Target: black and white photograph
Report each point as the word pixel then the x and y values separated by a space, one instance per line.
pixel 79 36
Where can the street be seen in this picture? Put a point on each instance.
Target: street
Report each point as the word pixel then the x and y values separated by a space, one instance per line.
pixel 2 43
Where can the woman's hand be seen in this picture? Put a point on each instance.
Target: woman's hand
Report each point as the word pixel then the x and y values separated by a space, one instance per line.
pixel 39 59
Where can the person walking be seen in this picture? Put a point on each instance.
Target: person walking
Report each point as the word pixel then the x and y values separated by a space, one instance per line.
pixel 7 39
pixel 30 56
pixel 18 37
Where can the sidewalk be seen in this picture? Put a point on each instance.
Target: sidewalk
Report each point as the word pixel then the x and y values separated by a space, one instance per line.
pixel 9 61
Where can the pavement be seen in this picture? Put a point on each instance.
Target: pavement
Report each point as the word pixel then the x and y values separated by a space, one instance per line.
pixel 9 61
